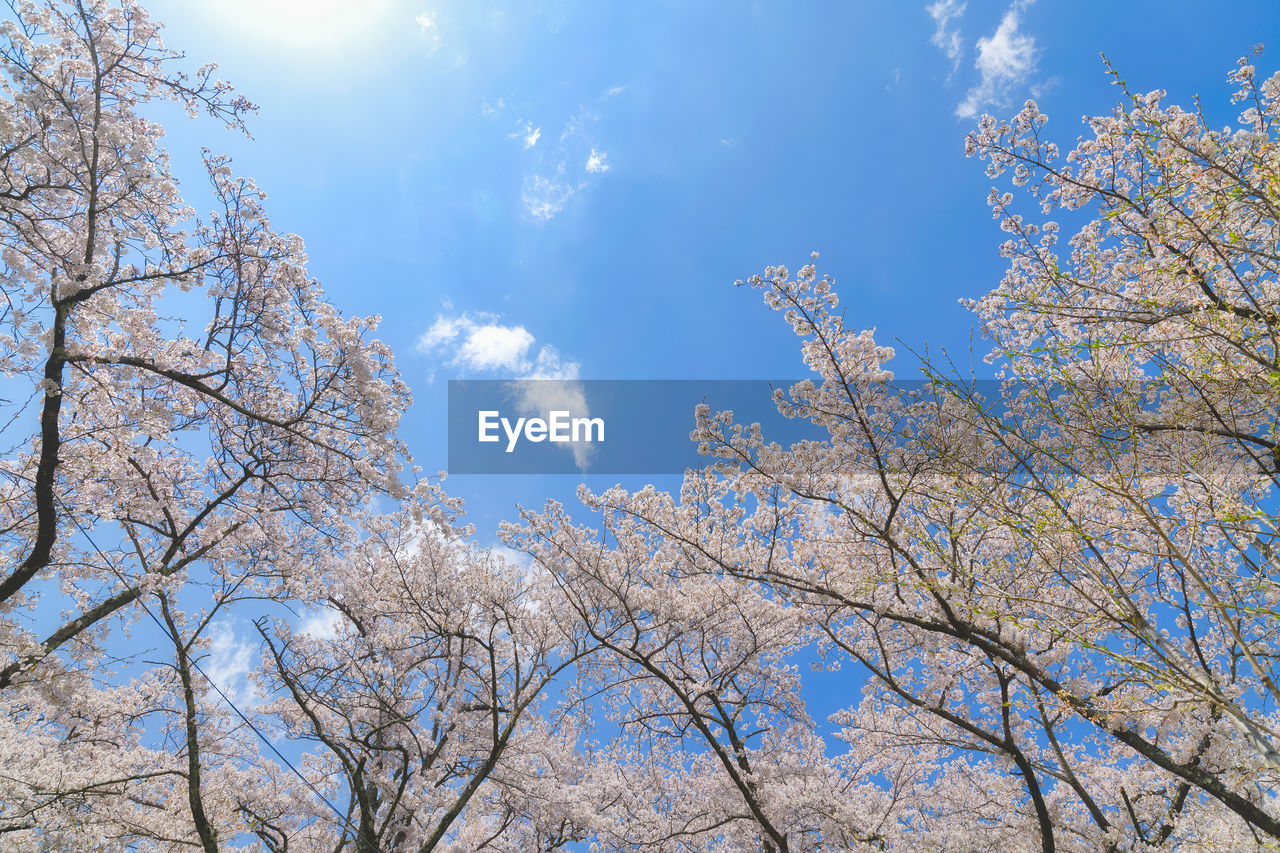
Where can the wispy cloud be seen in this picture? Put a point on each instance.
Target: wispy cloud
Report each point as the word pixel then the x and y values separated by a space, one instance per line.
pixel 562 393
pixel 1006 59
pixel 596 162
pixel 228 664
pixel 430 31
pixel 479 343
pixel 562 166
pixel 322 624
pixel 530 134
pixel 526 131
pixel 544 197
pixel 546 191
pixel 945 37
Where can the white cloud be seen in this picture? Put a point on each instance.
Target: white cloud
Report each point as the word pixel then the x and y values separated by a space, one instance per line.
pixel 596 162
pixel 443 330
pixel 545 197
pixel 511 556
pixel 1005 60
pixel 430 30
pixel 945 38
pixel 550 183
pixel 549 365
pixel 228 664
pixel 530 134
pixel 494 347
pixel 481 344
pixel 616 90
pixel 321 624
pixel 559 391
pixel 578 124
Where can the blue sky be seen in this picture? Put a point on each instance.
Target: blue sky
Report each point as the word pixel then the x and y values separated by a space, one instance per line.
pixel 571 188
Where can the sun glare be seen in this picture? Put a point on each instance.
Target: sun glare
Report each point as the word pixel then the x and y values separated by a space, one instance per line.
pixel 304 22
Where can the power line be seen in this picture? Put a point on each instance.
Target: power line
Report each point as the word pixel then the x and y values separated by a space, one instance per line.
pixel 195 664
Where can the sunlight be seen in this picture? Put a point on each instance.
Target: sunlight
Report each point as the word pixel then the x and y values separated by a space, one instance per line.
pixel 304 22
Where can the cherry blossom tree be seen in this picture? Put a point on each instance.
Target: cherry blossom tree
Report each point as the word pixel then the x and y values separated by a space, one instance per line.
pixel 1051 596
pixel 186 411
pixel 178 434
pixel 693 672
pixel 1054 592
pixel 208 440
pixel 424 698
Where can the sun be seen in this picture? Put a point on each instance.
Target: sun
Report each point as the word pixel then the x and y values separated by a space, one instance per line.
pixel 303 22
